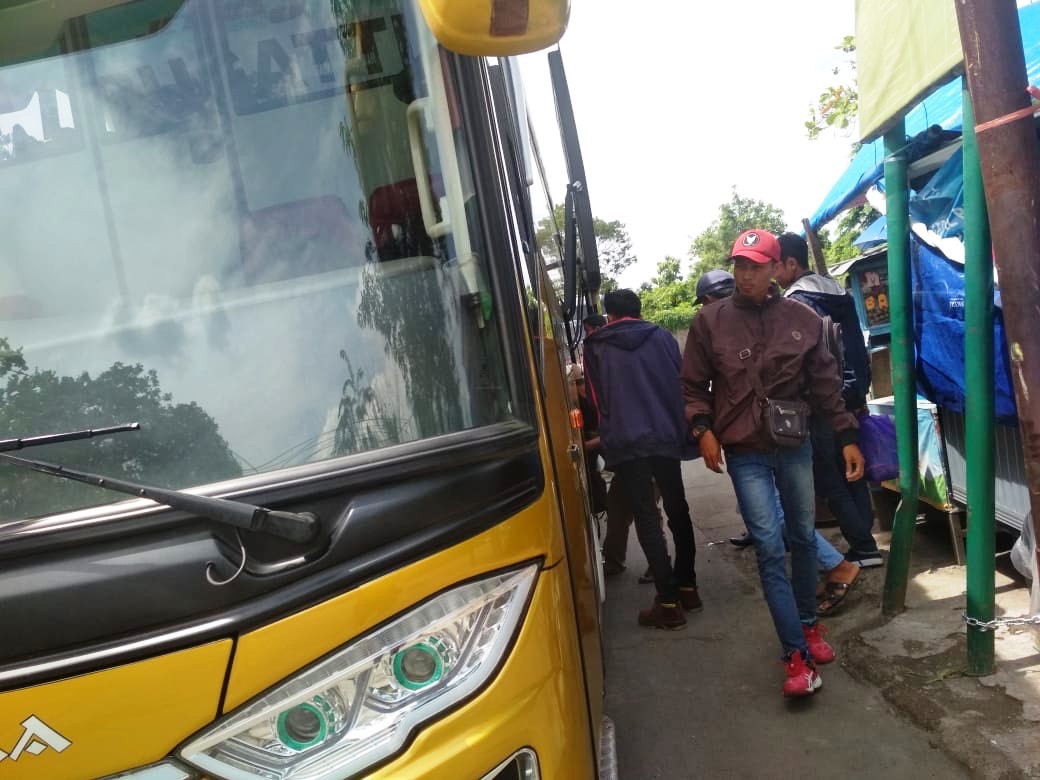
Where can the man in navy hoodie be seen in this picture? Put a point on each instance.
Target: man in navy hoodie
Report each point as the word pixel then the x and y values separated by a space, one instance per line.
pixel 632 367
pixel 849 502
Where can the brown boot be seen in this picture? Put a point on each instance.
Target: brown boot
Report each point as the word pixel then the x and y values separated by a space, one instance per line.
pixel 663 614
pixel 690 598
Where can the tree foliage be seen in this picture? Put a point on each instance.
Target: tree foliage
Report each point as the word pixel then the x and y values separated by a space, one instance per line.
pixel 836 109
pixel 668 298
pixel 711 249
pixel 613 245
pixel 178 444
pixel 409 312
pixel 838 104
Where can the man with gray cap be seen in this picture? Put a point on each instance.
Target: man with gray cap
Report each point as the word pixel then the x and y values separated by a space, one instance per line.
pixel 714 285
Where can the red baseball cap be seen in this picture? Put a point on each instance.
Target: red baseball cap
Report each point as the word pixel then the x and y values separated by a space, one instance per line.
pixel 758 246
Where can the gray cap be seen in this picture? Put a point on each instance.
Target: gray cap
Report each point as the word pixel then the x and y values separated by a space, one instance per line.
pixel 716 283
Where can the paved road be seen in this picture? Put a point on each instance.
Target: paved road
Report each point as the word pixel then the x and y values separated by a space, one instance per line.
pixel 706 702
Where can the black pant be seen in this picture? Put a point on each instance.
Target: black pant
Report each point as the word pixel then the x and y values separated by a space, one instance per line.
pixel 637 478
pixel 849 502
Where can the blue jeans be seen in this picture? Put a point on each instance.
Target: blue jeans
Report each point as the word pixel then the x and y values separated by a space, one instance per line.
pixel 757 478
pixel 827 555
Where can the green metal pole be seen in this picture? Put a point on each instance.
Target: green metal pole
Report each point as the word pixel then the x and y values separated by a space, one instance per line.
pixel 904 381
pixel 978 386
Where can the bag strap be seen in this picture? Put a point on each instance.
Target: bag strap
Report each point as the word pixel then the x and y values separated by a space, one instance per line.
pixel 749 360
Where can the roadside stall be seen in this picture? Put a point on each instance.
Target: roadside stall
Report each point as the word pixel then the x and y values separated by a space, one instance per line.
pixel 936 208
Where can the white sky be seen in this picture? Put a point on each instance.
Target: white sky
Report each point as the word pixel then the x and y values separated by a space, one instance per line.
pixel 678 101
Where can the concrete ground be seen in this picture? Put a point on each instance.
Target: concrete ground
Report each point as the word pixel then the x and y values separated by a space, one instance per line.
pixel 706 702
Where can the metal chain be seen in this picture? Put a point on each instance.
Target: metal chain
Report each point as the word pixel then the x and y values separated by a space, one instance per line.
pixel 992 625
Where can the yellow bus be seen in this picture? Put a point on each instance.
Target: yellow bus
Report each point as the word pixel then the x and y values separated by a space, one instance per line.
pixel 269 267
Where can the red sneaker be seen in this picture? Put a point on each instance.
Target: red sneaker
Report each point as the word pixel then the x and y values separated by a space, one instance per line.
pixel 802 677
pixel 821 652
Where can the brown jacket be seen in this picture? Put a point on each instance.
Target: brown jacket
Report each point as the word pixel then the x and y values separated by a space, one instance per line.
pixel 786 338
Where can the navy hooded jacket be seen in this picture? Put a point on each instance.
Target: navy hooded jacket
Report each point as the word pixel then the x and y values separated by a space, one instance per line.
pixel 829 299
pixel 632 368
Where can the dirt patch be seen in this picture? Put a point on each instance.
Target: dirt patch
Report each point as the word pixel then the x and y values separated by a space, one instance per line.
pixel 979 725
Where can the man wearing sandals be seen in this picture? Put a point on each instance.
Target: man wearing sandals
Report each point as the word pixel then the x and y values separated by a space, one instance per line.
pixel 849 502
pixel 743 355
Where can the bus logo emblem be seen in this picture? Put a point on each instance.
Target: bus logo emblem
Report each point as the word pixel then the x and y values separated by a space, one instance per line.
pixel 36 738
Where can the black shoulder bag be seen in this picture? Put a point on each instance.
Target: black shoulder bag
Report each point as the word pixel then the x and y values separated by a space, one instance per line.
pixel 787 421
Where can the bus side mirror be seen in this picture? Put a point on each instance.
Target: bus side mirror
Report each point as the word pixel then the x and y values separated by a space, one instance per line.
pixel 496 28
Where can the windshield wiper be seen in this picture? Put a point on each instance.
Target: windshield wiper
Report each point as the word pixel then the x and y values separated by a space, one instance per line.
pixel 294 526
pixel 6 445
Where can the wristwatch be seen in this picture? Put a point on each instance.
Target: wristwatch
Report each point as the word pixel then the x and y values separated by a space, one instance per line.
pixel 698 430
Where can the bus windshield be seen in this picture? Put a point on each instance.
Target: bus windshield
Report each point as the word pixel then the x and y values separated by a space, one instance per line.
pixel 248 225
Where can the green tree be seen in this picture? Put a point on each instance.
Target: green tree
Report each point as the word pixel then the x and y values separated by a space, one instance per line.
pixel 668 298
pixel 836 110
pixel 178 444
pixel 838 104
pixel 711 249
pixel 850 225
pixel 408 311
pixel 613 245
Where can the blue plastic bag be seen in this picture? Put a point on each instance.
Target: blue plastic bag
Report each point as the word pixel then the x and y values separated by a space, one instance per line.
pixel 877 442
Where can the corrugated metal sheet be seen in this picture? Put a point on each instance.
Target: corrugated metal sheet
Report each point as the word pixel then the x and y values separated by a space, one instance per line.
pixel 1011 495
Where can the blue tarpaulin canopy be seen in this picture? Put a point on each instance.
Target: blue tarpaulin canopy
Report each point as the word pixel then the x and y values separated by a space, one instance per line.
pixel 942 108
pixel 938 294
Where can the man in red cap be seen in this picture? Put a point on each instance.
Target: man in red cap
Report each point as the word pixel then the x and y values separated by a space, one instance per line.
pixel 750 360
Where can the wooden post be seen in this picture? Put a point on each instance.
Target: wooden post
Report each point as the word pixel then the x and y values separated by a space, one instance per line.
pixel 814 246
pixel 1006 137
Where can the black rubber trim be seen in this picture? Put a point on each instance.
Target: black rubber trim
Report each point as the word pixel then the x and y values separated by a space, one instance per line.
pixel 277 489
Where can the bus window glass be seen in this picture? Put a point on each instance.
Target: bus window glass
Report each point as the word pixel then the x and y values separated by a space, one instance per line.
pixel 248 225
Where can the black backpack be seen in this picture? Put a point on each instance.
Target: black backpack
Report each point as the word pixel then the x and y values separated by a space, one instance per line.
pixel 834 339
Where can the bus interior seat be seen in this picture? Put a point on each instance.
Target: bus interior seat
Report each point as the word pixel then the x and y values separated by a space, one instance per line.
pixel 396 219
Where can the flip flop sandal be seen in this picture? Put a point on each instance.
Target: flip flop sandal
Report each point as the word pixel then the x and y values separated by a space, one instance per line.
pixel 835 594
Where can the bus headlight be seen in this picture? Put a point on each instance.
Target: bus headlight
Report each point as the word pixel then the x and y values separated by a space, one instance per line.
pixel 359 705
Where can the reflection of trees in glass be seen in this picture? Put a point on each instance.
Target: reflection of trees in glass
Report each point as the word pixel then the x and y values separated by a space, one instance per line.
pixel 407 308
pixel 365 423
pixel 178 444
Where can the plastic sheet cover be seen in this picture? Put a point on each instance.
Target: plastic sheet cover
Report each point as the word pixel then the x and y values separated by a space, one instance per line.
pixel 938 293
